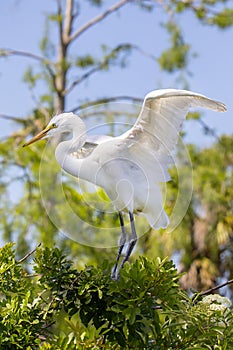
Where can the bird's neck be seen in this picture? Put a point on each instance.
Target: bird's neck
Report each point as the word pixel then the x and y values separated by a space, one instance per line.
pixel 63 155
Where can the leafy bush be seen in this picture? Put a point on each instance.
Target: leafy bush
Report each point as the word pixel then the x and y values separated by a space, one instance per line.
pixel 58 307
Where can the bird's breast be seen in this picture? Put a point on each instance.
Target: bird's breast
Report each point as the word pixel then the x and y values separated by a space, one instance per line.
pixel 125 182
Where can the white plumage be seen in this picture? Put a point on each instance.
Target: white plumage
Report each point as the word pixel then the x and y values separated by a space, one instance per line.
pixel 131 166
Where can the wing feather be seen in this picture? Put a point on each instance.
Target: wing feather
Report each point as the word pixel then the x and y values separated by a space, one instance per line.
pixel 155 133
pixel 162 116
pixel 91 143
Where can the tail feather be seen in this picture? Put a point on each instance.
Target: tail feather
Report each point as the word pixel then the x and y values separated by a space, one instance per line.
pixel 159 220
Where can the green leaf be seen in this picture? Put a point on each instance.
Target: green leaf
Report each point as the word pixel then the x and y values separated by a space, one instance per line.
pixel 223 19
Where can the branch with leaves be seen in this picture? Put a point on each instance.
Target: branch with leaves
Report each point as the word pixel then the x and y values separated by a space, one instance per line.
pixel 145 309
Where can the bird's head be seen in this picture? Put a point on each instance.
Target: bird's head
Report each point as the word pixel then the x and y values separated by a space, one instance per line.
pixel 59 124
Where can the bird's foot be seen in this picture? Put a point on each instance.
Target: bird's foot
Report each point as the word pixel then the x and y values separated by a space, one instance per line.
pixel 115 274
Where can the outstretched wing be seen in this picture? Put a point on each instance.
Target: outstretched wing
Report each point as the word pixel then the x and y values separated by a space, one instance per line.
pixel 162 116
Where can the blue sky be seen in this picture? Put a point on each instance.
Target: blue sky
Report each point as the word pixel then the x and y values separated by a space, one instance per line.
pixel 22 26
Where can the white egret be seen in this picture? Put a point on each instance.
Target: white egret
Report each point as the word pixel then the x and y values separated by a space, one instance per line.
pixel 129 167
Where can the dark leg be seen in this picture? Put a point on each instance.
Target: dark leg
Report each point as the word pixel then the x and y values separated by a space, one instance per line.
pixel 121 245
pixel 131 243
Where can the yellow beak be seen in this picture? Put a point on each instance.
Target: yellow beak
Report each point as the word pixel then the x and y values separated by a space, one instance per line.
pixel 38 136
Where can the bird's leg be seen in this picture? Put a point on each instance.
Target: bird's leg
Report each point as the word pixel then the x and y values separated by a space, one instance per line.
pixel 121 245
pixel 131 243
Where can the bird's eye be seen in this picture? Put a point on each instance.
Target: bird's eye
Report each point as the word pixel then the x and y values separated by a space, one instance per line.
pixel 54 125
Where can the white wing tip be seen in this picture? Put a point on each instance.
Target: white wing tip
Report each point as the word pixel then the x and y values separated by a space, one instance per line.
pixel 212 104
pixel 221 107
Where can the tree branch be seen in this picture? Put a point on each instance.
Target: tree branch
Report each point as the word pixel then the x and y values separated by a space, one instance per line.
pixel 60 25
pixel 209 291
pixel 207 129
pixel 11 52
pixel 144 53
pixel 43 60
pixel 81 79
pixel 28 254
pixel 107 100
pixel 13 118
pixel 97 19
pixel 120 48
pixel 68 21
pixel 60 79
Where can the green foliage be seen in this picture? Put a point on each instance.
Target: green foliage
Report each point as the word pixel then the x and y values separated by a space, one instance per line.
pixel 97 3
pixel 46 47
pixel 58 307
pixel 176 57
pixel 21 308
pixel 223 19
pixel 30 77
pixel 193 115
pixel 55 18
pixel 211 12
pixel 115 56
pixel 85 61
